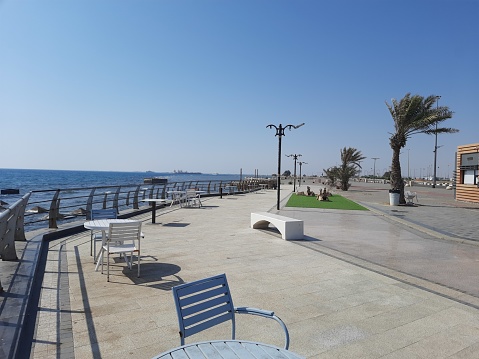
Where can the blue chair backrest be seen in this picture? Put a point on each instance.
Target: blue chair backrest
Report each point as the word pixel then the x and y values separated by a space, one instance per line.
pixel 103 213
pixel 203 304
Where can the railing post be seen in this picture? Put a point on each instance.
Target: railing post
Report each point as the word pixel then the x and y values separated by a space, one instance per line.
pixel 135 198
pixel 54 210
pixel 127 202
pixel 105 197
pixel 115 199
pixel 89 204
pixel 6 241
pixel 20 223
pixel 11 228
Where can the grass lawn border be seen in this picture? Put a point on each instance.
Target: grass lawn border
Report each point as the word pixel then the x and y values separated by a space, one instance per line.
pixel 336 201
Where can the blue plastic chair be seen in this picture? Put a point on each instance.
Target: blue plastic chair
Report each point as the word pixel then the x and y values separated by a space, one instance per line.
pixel 207 302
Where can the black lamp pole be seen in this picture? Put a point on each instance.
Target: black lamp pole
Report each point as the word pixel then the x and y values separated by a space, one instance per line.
pixel 435 148
pixel 280 133
pixel 300 164
pixel 295 158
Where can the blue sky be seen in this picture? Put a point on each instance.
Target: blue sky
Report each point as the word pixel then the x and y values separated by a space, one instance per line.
pixel 171 84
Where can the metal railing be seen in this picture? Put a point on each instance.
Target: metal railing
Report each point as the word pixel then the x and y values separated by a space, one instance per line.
pixel 66 205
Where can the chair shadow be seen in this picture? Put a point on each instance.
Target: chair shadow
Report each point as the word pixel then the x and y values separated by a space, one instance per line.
pixel 154 275
pixel 202 207
pixel 177 224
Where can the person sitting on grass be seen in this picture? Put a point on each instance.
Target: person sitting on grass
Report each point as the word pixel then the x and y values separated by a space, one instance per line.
pixel 309 192
pixel 323 195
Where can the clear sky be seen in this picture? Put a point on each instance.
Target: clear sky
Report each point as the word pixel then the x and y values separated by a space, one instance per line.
pixel 137 85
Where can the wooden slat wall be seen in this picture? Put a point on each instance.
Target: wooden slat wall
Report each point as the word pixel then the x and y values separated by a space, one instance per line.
pixel 466 192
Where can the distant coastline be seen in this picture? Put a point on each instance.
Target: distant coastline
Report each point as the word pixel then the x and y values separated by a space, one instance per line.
pixel 181 172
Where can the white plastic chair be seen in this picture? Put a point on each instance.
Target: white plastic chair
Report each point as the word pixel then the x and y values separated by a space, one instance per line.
pixel 97 236
pixel 122 238
pixel 410 197
pixel 207 302
pixel 192 197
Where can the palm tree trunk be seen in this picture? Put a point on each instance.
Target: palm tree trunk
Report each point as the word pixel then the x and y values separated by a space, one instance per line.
pixel 396 178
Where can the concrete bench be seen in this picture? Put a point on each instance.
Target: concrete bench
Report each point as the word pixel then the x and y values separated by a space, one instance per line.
pixel 289 228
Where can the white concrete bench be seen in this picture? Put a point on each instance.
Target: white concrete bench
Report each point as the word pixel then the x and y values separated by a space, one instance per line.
pixel 289 228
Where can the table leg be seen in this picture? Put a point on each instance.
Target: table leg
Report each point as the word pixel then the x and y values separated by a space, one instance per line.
pixel 99 256
pixel 153 213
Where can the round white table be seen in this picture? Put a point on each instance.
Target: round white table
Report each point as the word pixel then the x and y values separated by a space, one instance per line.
pixel 103 225
pixel 228 349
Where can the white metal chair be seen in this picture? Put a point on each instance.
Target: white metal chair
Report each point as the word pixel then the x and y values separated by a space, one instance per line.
pixel 410 197
pixel 192 198
pixel 122 238
pixel 97 236
pixel 207 302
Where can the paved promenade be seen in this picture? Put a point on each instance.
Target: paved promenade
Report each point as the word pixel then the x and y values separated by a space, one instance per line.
pixel 392 282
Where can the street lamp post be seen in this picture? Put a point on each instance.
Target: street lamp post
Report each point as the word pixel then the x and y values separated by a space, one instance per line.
pixel 374 171
pixel 300 164
pixel 408 177
pixel 280 133
pixel 435 148
pixel 295 157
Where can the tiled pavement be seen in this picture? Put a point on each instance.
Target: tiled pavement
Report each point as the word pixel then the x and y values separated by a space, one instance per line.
pixel 338 300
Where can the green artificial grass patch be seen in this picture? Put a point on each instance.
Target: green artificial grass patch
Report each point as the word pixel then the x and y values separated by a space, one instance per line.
pixel 335 202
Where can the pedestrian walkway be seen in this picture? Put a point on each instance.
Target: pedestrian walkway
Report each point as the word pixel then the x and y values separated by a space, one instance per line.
pixel 431 253
pixel 336 303
pixel 435 212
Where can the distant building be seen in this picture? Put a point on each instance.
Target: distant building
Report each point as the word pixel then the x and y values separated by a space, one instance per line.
pixel 467 172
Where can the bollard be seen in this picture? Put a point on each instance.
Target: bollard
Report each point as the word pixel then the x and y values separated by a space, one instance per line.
pixel 221 192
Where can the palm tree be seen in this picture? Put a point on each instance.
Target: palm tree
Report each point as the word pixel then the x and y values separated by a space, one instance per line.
pixel 411 115
pixel 350 161
pixel 332 174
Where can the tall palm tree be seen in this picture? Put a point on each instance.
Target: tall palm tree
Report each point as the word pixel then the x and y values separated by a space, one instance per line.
pixel 411 115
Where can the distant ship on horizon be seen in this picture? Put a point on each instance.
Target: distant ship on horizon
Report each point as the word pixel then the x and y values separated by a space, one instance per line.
pixel 186 172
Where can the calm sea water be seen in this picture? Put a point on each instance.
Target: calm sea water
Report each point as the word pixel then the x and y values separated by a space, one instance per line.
pixel 28 180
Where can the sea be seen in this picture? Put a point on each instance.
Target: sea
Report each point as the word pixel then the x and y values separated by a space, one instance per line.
pixel 27 180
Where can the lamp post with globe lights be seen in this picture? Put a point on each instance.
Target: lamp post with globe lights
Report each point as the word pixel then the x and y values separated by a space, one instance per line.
pixel 280 133
pixel 295 157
